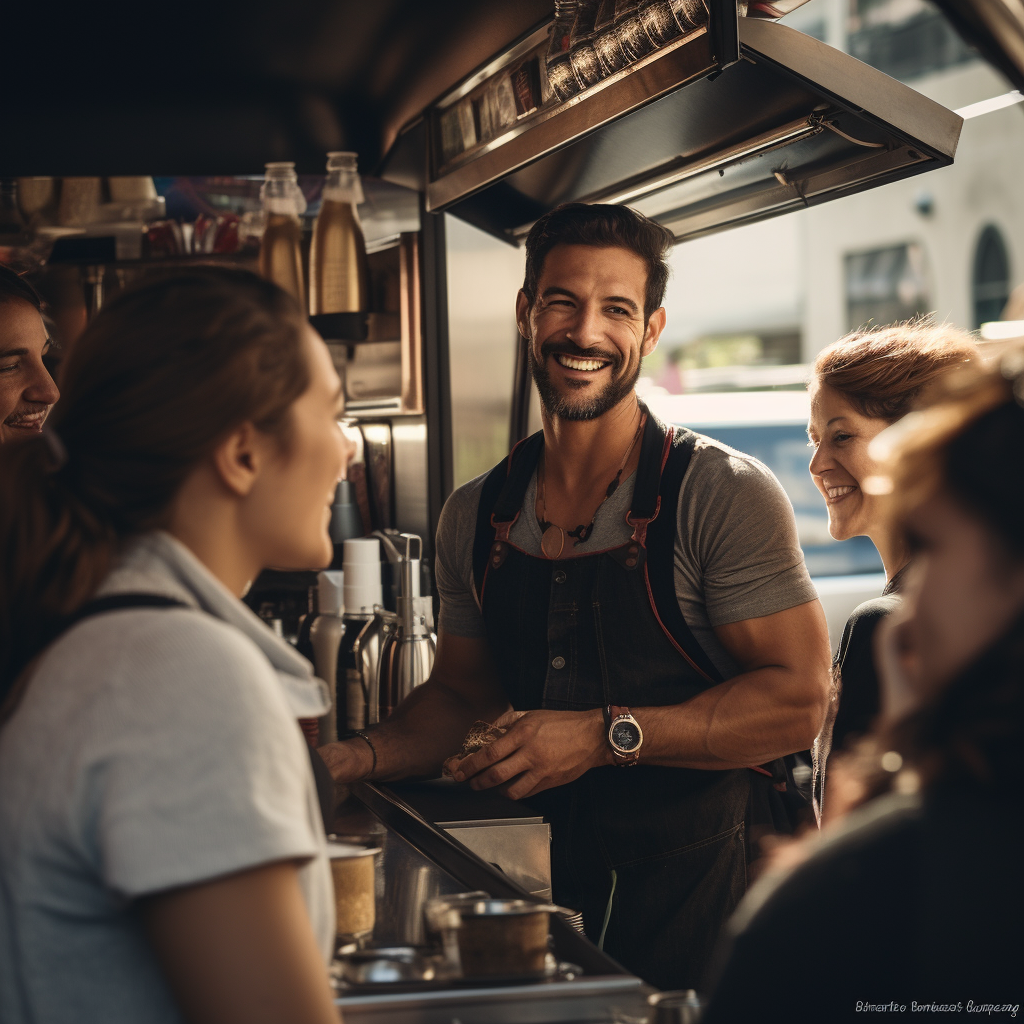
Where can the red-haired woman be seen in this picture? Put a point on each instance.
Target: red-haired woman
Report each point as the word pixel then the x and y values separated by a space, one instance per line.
pixel 862 384
pixel 916 897
pixel 162 856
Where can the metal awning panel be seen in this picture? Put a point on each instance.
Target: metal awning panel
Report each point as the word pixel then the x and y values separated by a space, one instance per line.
pixel 700 146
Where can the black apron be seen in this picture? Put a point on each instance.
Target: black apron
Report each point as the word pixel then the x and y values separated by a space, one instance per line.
pixel 581 633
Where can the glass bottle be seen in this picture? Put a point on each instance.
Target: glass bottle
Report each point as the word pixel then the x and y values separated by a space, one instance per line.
pixel 561 77
pixel 633 37
pixel 606 40
pixel 338 273
pixel 280 258
pixel 689 14
pixel 582 56
pixel 657 19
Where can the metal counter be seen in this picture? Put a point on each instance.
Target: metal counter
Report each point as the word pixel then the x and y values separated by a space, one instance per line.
pixel 421 860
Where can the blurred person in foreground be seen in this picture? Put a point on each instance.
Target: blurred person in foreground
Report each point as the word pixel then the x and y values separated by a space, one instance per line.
pixel 917 896
pixel 862 384
pixel 162 856
pixel 27 391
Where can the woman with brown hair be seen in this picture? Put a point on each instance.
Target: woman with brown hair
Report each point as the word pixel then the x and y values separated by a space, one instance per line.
pixel 862 384
pixel 917 896
pixel 161 852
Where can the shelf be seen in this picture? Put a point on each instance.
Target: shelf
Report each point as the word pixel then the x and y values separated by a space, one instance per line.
pixel 551 128
pixel 357 328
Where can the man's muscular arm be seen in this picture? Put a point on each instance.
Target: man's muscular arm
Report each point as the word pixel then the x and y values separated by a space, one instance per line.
pixel 774 707
pixel 431 723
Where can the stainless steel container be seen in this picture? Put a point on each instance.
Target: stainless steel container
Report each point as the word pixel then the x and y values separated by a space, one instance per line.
pixel 493 937
pixel 354 873
pixel 682 1007
pixel 408 645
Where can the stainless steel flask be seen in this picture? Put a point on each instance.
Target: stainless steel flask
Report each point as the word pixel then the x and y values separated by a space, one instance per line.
pixel 408 645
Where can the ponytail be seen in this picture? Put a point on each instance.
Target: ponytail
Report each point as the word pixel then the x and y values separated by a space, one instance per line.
pixel 55 550
pixel 156 380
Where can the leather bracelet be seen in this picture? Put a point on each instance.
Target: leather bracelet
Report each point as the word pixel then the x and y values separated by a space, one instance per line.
pixel 373 750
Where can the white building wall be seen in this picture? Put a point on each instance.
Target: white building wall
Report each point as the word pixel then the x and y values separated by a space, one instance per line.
pixel 985 185
pixel 788 273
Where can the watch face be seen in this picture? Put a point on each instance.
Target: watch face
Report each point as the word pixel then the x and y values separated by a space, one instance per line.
pixel 626 735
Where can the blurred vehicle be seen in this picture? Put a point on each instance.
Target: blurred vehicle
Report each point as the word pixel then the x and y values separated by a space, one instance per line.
pixel 772 427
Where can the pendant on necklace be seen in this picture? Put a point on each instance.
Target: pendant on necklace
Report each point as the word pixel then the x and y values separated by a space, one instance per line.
pixel 552 541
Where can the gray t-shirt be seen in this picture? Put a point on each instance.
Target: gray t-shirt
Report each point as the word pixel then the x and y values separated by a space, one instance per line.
pixel 153 748
pixel 736 552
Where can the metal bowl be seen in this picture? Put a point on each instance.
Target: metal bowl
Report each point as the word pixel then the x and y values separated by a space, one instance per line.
pixel 387 966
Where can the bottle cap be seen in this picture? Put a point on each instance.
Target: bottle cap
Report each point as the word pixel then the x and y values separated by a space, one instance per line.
pixel 341 161
pixel 330 586
pixel 343 184
pixel 361 562
pixel 365 550
pixel 346 523
pixel 281 171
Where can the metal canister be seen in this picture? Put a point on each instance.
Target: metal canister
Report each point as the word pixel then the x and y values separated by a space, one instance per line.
pixel 680 1007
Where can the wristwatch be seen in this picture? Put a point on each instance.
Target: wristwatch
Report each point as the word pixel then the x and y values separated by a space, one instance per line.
pixel 625 736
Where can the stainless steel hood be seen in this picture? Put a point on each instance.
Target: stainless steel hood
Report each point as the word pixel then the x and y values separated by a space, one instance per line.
pixel 693 137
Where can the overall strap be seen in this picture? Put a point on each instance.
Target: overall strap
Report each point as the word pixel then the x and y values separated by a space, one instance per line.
pixel 653 454
pixel 501 501
pixel 659 565
pixel 113 603
pixel 97 606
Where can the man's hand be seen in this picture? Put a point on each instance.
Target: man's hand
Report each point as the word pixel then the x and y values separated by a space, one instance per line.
pixel 348 761
pixel 541 750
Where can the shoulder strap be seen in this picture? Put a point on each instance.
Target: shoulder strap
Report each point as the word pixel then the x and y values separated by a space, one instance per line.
pixel 113 603
pixel 649 470
pixel 97 606
pixel 501 499
pixel 661 537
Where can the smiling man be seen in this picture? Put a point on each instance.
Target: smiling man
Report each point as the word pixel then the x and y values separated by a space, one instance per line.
pixel 637 595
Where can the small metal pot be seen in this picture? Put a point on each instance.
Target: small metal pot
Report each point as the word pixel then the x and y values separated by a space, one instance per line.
pixel 388 966
pixel 492 937
pixel 682 1007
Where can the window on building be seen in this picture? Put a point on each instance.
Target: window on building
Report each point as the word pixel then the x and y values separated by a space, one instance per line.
pixel 991 280
pixel 885 285
pixel 904 38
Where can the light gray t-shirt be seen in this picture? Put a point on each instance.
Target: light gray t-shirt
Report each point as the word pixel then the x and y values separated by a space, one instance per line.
pixel 153 748
pixel 736 552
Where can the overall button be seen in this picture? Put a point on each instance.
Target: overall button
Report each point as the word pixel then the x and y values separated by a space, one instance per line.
pixel 558 662
pixel 560 576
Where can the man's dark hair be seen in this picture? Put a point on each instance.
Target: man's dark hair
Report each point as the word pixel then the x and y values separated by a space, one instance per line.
pixel 13 286
pixel 601 226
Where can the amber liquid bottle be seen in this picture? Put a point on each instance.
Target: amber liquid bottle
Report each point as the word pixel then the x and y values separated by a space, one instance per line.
pixel 280 258
pixel 338 273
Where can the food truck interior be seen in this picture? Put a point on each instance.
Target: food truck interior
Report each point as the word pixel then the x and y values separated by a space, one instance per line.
pixel 458 116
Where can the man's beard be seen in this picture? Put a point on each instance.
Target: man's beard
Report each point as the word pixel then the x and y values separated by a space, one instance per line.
pixel 583 408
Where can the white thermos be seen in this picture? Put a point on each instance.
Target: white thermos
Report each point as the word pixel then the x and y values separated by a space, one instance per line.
pixel 325 637
pixel 360 651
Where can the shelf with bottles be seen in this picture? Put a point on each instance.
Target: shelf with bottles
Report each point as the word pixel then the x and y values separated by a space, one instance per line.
pixel 81 241
pixel 582 61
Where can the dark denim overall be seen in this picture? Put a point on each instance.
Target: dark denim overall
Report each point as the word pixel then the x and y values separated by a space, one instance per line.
pixel 580 633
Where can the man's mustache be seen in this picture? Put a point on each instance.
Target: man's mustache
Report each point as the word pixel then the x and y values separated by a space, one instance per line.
pixel 568 348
